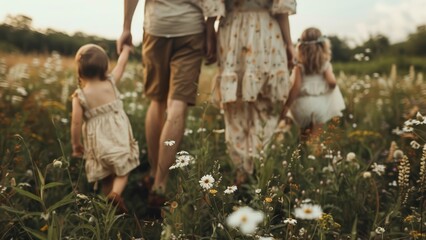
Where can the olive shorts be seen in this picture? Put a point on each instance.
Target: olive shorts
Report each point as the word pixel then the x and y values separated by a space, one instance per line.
pixel 172 67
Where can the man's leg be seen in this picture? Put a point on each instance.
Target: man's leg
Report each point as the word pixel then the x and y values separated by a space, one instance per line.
pixel 172 130
pixel 154 123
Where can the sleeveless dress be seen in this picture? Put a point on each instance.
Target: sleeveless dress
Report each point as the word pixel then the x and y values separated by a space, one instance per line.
pixel 253 79
pixel 109 146
pixel 317 103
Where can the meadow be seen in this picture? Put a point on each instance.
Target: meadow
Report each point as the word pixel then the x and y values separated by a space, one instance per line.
pixel 363 178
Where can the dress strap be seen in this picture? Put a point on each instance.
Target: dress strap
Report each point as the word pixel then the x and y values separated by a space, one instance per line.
pixel 116 92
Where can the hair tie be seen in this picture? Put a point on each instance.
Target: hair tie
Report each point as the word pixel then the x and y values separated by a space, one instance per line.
pixel 320 39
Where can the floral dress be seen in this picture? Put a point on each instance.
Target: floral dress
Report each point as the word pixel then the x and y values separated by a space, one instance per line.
pixel 253 79
pixel 109 146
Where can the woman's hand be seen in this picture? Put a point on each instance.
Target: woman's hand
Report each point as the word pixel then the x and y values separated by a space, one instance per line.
pixel 291 56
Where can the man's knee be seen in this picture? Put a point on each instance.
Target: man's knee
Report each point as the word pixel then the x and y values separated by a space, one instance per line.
pixel 176 109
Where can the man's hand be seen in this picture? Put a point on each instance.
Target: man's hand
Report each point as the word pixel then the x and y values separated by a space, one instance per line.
pixel 125 39
pixel 211 41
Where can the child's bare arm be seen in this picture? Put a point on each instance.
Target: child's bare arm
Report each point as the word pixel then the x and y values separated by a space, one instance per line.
pixel 76 123
pixel 329 77
pixel 294 92
pixel 119 68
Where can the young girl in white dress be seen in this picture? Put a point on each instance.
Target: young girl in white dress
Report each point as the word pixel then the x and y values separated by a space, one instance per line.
pixel 315 97
pixel 109 149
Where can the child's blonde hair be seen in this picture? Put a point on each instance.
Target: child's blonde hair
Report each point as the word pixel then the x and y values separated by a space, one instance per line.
pixel 92 62
pixel 314 50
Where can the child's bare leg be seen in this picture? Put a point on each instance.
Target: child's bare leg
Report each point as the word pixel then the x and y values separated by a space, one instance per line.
pixel 119 183
pixel 106 184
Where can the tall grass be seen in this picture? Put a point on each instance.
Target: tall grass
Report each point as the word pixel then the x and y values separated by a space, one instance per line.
pixel 366 171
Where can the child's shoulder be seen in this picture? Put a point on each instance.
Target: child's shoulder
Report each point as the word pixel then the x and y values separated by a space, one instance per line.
pixel 79 95
pixel 326 66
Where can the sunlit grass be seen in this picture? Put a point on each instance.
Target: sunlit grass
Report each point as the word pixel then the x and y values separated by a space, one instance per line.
pixel 364 176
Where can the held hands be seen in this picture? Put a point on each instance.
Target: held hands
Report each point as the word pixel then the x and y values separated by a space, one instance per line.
pixel 77 150
pixel 127 48
pixel 125 39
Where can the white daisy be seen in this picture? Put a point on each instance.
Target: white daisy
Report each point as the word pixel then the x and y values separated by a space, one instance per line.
pixel 415 144
pixel 207 181
pixel 350 157
pixel 246 219
pixel 290 221
pixel 378 168
pixel 187 132
pixel 218 130
pixel 230 189
pixel 265 238
pixel 57 163
pixel 380 230
pixel 82 196
pixel 201 130
pixel 366 174
pixel 302 231
pixel 308 211
pixel 169 143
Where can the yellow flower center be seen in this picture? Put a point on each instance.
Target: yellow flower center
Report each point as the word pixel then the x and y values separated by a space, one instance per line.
pixel 308 211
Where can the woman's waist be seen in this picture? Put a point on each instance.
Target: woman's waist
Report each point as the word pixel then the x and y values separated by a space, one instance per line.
pixel 248 10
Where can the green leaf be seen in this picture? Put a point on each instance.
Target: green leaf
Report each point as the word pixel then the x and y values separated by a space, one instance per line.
pixel 28 194
pixel 84 226
pixel 53 184
pixel 40 176
pixel 64 201
pixel 35 233
pixel 9 209
pixel 53 230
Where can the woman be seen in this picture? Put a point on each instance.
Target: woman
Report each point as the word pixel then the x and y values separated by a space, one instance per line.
pixel 254 45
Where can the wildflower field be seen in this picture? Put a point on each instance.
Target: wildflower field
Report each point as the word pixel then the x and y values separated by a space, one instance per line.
pixel 363 178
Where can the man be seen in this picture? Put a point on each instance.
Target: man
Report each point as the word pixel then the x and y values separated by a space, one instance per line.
pixel 176 36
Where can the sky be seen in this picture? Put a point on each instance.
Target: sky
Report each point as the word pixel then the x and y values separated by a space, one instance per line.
pixel 353 21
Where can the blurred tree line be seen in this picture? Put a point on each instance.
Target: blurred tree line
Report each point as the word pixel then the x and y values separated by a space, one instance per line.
pixel 17 35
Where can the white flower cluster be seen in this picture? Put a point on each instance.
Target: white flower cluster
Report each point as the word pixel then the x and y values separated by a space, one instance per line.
pixel 408 125
pixel 183 159
pixel 230 189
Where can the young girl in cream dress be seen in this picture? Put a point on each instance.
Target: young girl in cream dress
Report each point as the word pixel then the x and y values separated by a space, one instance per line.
pixel 109 149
